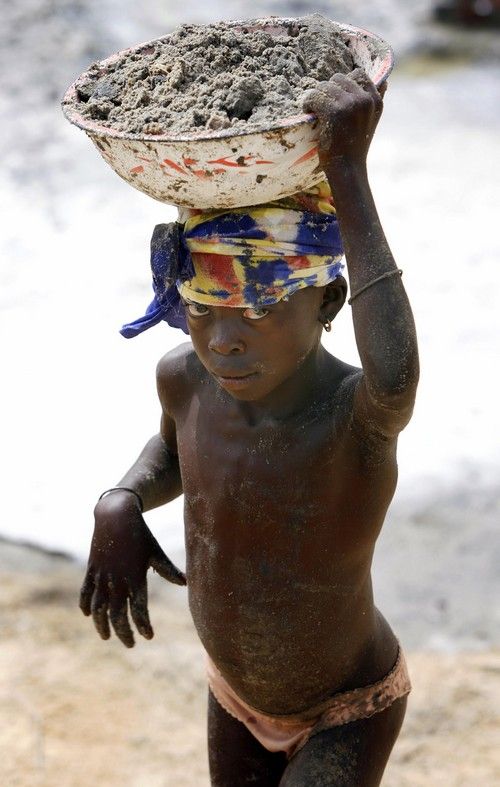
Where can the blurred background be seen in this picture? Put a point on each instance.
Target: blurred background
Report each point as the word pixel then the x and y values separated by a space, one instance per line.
pixel 79 401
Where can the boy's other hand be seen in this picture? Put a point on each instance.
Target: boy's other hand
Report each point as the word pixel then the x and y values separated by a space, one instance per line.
pixel 123 549
pixel 348 108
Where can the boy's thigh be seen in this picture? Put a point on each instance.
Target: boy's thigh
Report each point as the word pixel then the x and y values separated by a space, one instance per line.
pixel 235 757
pixel 351 755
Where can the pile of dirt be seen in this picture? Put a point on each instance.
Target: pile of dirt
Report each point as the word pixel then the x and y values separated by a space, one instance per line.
pixel 214 76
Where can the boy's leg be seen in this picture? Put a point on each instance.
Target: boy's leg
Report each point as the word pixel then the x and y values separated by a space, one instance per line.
pixel 235 757
pixel 351 755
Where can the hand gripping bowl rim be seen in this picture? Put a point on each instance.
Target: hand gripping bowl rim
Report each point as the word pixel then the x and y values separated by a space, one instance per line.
pixel 93 127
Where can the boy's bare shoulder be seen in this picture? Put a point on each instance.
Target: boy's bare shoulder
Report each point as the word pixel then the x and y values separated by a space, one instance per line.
pixel 342 381
pixel 174 362
pixel 372 446
pixel 346 381
pixel 176 373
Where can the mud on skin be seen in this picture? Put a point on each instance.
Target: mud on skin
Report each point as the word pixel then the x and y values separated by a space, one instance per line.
pixel 214 77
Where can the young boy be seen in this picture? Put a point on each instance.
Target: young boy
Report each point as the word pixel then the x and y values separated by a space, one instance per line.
pixel 287 460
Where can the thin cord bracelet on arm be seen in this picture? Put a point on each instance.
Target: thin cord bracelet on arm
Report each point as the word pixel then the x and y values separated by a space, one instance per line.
pixel 124 489
pixel 374 281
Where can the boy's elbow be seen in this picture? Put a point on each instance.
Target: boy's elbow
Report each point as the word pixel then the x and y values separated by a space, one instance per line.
pixel 390 415
pixel 394 397
pixel 402 388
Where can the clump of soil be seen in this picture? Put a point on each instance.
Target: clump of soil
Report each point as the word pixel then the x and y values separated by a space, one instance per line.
pixel 214 77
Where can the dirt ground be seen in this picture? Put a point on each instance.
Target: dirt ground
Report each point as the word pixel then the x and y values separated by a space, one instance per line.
pixel 76 711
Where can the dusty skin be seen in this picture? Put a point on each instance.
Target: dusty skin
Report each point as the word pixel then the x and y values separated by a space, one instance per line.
pixel 103 715
pixel 279 575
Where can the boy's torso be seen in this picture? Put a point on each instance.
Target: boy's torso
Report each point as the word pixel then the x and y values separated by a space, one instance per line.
pixel 281 519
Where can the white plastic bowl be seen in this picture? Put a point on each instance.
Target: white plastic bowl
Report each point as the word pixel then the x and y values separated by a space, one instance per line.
pixel 225 168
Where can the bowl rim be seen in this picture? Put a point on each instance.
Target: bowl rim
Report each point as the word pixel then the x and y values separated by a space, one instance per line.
pixel 98 129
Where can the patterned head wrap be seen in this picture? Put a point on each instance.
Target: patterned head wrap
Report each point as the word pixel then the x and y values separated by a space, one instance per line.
pixel 243 257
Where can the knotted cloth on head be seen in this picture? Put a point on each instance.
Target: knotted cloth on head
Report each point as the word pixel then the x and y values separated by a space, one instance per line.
pixel 244 257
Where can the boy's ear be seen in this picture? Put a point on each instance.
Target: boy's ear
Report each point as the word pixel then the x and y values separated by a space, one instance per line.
pixel 333 299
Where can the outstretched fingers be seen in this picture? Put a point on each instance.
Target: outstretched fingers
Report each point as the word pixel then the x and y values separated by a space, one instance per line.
pixel 107 600
pixel 107 594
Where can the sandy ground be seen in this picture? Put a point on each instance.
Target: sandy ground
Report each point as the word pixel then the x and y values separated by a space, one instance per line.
pixel 76 711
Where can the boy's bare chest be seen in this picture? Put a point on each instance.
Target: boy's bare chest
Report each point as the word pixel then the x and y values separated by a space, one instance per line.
pixel 231 468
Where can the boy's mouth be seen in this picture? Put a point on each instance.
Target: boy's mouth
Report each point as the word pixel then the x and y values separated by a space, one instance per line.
pixel 235 380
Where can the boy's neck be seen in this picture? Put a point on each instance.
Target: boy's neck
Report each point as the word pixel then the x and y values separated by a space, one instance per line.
pixel 292 396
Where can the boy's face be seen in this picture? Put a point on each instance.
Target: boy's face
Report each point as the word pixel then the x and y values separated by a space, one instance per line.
pixel 251 352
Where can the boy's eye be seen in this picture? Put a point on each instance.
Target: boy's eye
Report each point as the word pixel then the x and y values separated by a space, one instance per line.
pixel 255 314
pixel 196 309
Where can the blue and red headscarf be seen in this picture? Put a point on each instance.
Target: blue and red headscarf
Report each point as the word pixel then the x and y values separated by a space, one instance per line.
pixel 243 257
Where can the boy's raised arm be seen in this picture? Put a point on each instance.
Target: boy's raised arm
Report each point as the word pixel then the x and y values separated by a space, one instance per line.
pixel 348 109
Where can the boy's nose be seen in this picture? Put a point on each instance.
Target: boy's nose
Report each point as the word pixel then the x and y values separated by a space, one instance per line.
pixel 226 338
